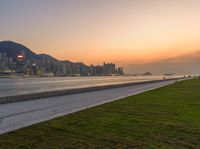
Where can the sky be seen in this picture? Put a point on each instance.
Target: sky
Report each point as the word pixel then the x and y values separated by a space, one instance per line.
pixel 93 31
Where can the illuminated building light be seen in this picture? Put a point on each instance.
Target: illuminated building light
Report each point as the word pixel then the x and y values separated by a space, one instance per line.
pixel 20 56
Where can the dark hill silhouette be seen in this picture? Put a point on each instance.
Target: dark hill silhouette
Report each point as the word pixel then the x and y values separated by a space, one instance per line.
pixel 46 56
pixel 12 49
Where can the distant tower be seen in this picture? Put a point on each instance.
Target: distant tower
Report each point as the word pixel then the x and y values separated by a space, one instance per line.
pixel 20 62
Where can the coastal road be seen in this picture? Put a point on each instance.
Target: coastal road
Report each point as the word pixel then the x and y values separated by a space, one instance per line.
pixel 19 86
pixel 21 114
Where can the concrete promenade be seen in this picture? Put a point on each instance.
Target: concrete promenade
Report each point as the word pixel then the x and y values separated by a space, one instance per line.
pixel 21 114
pixel 23 86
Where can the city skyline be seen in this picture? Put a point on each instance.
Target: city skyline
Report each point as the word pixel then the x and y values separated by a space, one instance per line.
pixel 125 32
pixel 18 60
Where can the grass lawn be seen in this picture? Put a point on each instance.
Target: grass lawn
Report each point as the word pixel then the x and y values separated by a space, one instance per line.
pixel 168 117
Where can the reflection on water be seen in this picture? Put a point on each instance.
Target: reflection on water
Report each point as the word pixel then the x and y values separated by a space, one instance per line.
pixel 14 86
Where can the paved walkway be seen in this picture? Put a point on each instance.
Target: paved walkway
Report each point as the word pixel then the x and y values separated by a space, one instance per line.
pixel 21 114
pixel 19 86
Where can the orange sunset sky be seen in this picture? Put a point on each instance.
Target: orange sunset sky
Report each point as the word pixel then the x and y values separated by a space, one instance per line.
pixel 94 31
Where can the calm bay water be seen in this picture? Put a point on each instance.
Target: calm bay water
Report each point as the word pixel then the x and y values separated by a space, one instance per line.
pixel 16 86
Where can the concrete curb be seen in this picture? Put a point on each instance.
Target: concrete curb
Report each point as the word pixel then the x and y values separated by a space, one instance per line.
pixel 24 97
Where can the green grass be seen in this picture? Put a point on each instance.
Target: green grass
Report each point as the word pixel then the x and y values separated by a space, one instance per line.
pixel 168 117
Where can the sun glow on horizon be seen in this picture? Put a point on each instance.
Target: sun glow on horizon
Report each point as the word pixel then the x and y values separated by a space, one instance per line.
pixel 123 32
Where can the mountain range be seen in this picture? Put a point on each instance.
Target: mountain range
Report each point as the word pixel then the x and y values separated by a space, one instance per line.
pixel 45 63
pixel 12 49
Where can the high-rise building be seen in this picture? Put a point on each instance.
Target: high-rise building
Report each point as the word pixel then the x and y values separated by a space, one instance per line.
pixel 20 63
pixel 109 68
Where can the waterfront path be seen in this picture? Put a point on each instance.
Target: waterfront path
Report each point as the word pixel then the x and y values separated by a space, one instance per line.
pixel 21 114
pixel 20 86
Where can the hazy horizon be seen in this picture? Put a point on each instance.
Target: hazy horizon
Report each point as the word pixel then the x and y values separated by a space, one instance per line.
pixel 124 32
